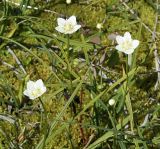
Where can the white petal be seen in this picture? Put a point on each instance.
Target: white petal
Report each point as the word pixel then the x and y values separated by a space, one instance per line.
pixel 78 27
pixel 119 48
pixel 39 83
pixel 135 43
pixel 32 97
pixel 26 93
pixel 127 36
pixel 43 90
pixel 30 85
pixel 130 51
pixel 119 39
pixel 61 21
pixel 75 29
pixel 72 20
pixel 60 29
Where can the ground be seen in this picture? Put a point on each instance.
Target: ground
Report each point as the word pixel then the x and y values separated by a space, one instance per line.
pixel 76 113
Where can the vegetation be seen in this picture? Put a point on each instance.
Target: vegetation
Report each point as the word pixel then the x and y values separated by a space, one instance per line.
pixel 97 97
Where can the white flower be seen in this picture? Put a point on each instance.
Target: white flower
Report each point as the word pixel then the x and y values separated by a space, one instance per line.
pixel 67 26
pixel 68 1
pixel 126 44
pixel 99 26
pixel 35 89
pixel 111 102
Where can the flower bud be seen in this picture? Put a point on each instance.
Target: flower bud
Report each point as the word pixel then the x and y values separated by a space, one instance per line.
pixel 99 26
pixel 111 102
pixel 68 1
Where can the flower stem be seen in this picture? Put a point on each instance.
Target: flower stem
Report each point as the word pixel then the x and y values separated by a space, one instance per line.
pixel 127 95
pixel 45 123
pixel 127 66
pixel 68 45
pixel 42 104
pixel 129 60
pixel 127 70
pixel 68 42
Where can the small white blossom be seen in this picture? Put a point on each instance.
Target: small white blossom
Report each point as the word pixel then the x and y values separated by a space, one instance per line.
pixel 126 44
pixel 35 89
pixel 111 102
pixel 68 1
pixel 68 26
pixel 99 26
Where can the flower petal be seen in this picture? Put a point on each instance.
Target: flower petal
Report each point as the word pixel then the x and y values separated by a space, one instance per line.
pixel 135 43
pixel 72 20
pixel 75 29
pixel 119 39
pixel 119 48
pixel 60 29
pixel 32 97
pixel 127 36
pixel 39 83
pixel 61 21
pixel 30 85
pixel 129 51
pixel 43 89
pixel 26 93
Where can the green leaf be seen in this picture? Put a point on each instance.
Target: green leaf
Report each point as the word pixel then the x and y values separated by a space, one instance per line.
pixel 72 42
pixel 107 135
pixel 106 91
pixel 59 116
pixel 22 46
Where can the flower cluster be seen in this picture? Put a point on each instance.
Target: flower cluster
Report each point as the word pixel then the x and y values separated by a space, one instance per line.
pixel 125 43
pixel 68 26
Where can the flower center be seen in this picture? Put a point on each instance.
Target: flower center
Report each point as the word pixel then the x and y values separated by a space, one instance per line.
pixel 127 45
pixel 68 27
pixel 36 92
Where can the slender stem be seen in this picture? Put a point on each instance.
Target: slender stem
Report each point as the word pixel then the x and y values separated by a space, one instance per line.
pixel 45 122
pixel 69 66
pixel 129 60
pixel 127 95
pixel 68 45
pixel 127 70
pixel 127 66
pixel 42 104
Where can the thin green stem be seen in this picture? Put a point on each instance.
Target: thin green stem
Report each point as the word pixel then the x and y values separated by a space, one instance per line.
pixel 69 66
pixel 127 67
pixel 129 60
pixel 67 55
pixel 127 96
pixel 42 104
pixel 45 122
pixel 127 70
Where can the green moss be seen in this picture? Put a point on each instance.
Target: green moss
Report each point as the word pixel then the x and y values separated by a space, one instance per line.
pixel 116 19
